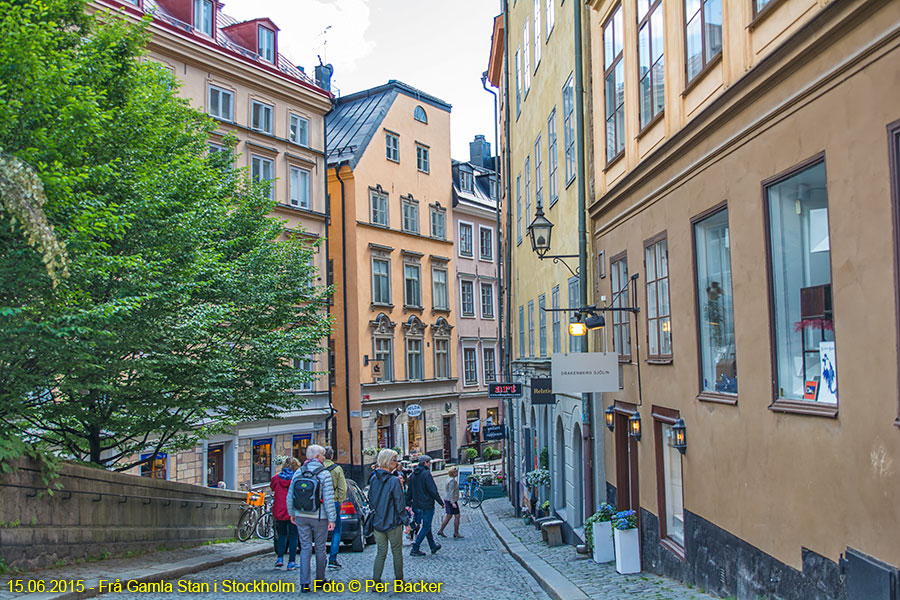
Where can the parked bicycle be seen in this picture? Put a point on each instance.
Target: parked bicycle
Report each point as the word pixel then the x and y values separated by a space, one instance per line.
pixel 471 494
pixel 256 517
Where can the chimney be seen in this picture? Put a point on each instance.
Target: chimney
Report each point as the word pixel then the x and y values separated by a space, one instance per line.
pixel 323 76
pixel 480 152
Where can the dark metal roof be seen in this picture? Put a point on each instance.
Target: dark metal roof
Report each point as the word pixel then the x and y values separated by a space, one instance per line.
pixel 356 118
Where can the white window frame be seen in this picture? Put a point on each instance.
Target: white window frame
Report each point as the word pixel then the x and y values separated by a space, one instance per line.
pixel 420 115
pixel 204 22
pixel 569 127
pixel 521 331
pixel 471 227
pixel 481 288
pixel 437 211
pixel 555 319
pixel 538 173
pixel 381 196
pixel 552 158
pixel 392 146
pixel 257 171
pixel 445 295
pixel 538 39
pixel 438 374
pixel 531 328
pixel 542 325
pixel 489 257
pixel 266 113
pixel 423 160
pixel 388 363
pixel 490 376
pixel 418 280
pixel 298 135
pixel 551 16
pixel 221 91
pixel 410 355
pixel 466 180
pixel 298 200
pixel 265 51
pixel 307 364
pixel 526 58
pixel 410 215
pixel 519 209
pixel 463 284
pixel 467 352
pixel 382 301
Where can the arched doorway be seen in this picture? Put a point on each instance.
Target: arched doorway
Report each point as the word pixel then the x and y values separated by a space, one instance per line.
pixel 577 478
pixel 559 476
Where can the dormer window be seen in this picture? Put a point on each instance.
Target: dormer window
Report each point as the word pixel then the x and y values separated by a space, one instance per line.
pixel 266 48
pixel 203 16
pixel 419 115
pixel 465 181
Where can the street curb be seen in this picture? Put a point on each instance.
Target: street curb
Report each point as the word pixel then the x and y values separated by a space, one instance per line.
pixel 161 572
pixel 552 581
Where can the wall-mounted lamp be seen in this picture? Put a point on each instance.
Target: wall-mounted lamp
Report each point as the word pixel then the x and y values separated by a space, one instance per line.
pixel 634 426
pixel 610 418
pixel 577 328
pixel 539 232
pixel 680 432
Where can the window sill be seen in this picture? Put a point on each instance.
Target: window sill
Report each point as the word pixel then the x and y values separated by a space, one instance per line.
pixel 425 172
pixel 407 307
pixel 397 161
pixel 569 182
pixel 625 360
pixel 718 398
pixel 702 74
pixel 611 162
pixel 381 305
pixel 486 259
pixel 659 117
pixel 465 316
pixel 675 548
pixel 659 361
pixel 801 407
pixel 461 255
pixel 436 310
pixel 763 14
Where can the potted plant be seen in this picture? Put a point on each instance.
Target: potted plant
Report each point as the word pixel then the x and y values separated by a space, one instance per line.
pixel 545 508
pixel 471 454
pixel 598 533
pixel 628 545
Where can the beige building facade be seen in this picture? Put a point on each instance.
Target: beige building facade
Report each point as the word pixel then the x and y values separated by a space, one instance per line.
pixel 746 170
pixel 233 72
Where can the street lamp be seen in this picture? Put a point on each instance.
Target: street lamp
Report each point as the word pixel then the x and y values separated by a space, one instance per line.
pixel 634 426
pixel 680 432
pixel 610 417
pixel 539 232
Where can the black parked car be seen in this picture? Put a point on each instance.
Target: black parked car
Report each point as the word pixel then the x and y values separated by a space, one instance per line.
pixel 356 518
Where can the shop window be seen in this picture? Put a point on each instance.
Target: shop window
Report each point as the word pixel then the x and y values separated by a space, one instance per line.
pixel 156 468
pixel 262 461
pixel 386 431
pixel 800 263
pixel 473 425
pixel 414 435
pixel 718 360
pixel 215 465
pixel 299 445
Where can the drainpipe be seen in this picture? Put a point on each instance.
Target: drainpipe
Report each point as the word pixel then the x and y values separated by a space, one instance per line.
pixel 500 278
pixel 511 432
pixel 337 173
pixel 330 429
pixel 587 403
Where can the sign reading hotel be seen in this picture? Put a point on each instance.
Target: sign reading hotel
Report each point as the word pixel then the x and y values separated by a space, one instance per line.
pixel 585 372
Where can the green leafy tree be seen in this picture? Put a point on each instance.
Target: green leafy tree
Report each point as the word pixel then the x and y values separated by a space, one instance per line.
pixel 179 312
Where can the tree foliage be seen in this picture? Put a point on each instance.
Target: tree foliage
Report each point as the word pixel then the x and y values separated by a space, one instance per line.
pixel 179 313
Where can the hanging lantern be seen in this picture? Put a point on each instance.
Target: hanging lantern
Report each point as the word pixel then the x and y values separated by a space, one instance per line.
pixel 634 426
pixel 610 418
pixel 679 432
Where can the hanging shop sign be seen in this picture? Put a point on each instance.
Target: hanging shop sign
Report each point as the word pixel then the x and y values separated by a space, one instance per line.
pixel 413 411
pixel 542 390
pixel 494 432
pixel 585 372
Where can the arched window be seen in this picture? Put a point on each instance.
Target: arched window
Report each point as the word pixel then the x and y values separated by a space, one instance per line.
pixel 419 115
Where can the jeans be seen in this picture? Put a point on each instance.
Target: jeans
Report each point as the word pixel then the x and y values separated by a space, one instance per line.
pixel 395 538
pixel 424 517
pixel 336 536
pixel 286 538
pixel 312 530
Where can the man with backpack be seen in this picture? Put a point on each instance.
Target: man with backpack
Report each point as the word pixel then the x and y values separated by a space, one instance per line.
pixel 310 502
pixel 340 494
pixel 421 494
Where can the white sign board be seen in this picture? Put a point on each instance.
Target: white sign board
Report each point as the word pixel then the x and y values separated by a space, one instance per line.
pixel 585 372
pixel 413 411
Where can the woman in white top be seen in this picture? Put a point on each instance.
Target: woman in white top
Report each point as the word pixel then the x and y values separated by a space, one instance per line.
pixel 451 503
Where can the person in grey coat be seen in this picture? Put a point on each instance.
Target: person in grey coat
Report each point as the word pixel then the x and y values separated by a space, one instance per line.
pixel 387 502
pixel 313 527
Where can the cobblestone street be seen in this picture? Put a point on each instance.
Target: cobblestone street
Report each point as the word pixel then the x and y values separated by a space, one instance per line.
pixel 476 566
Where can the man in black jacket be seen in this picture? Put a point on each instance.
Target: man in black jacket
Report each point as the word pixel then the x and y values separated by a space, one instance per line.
pixel 421 494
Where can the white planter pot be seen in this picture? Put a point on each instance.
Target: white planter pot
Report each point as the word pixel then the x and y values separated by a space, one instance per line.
pixel 604 551
pixel 628 551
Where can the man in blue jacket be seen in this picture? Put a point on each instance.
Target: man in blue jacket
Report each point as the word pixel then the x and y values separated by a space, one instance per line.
pixel 421 494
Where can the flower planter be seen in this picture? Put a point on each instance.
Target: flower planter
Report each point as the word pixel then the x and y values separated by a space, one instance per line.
pixel 628 551
pixel 604 550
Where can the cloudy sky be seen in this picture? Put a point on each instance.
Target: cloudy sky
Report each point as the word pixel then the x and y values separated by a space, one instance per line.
pixel 439 46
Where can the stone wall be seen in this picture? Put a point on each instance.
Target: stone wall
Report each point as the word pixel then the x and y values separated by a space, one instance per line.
pixel 98 511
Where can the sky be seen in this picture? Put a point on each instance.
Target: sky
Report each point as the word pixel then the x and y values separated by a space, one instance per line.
pixel 438 46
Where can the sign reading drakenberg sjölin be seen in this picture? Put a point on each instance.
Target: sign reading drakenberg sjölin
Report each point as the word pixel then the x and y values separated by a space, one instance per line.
pixel 585 372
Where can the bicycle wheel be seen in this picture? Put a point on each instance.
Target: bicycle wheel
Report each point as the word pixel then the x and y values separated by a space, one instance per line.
pixel 265 527
pixel 477 497
pixel 246 525
pixel 464 498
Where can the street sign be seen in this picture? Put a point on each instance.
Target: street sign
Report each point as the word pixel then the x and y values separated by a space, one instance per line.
pixel 413 411
pixel 541 390
pixel 505 390
pixel 584 372
pixel 494 432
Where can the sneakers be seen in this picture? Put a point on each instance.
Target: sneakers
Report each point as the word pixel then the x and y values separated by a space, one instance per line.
pixel 291 566
pixel 435 549
pixel 417 553
pixel 279 563
pixel 334 564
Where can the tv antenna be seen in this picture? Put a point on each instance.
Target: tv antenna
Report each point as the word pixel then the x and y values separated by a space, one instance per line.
pixel 324 42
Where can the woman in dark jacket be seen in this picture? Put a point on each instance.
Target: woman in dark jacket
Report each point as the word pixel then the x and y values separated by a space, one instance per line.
pixel 285 532
pixel 389 505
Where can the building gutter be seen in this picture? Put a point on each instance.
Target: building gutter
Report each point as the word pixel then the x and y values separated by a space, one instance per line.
pixel 587 411
pixel 500 279
pixel 337 173
pixel 330 428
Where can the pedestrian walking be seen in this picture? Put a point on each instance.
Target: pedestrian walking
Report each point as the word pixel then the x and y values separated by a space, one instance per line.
pixel 451 503
pixel 310 502
pixel 387 502
pixel 286 537
pixel 422 493
pixel 340 494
